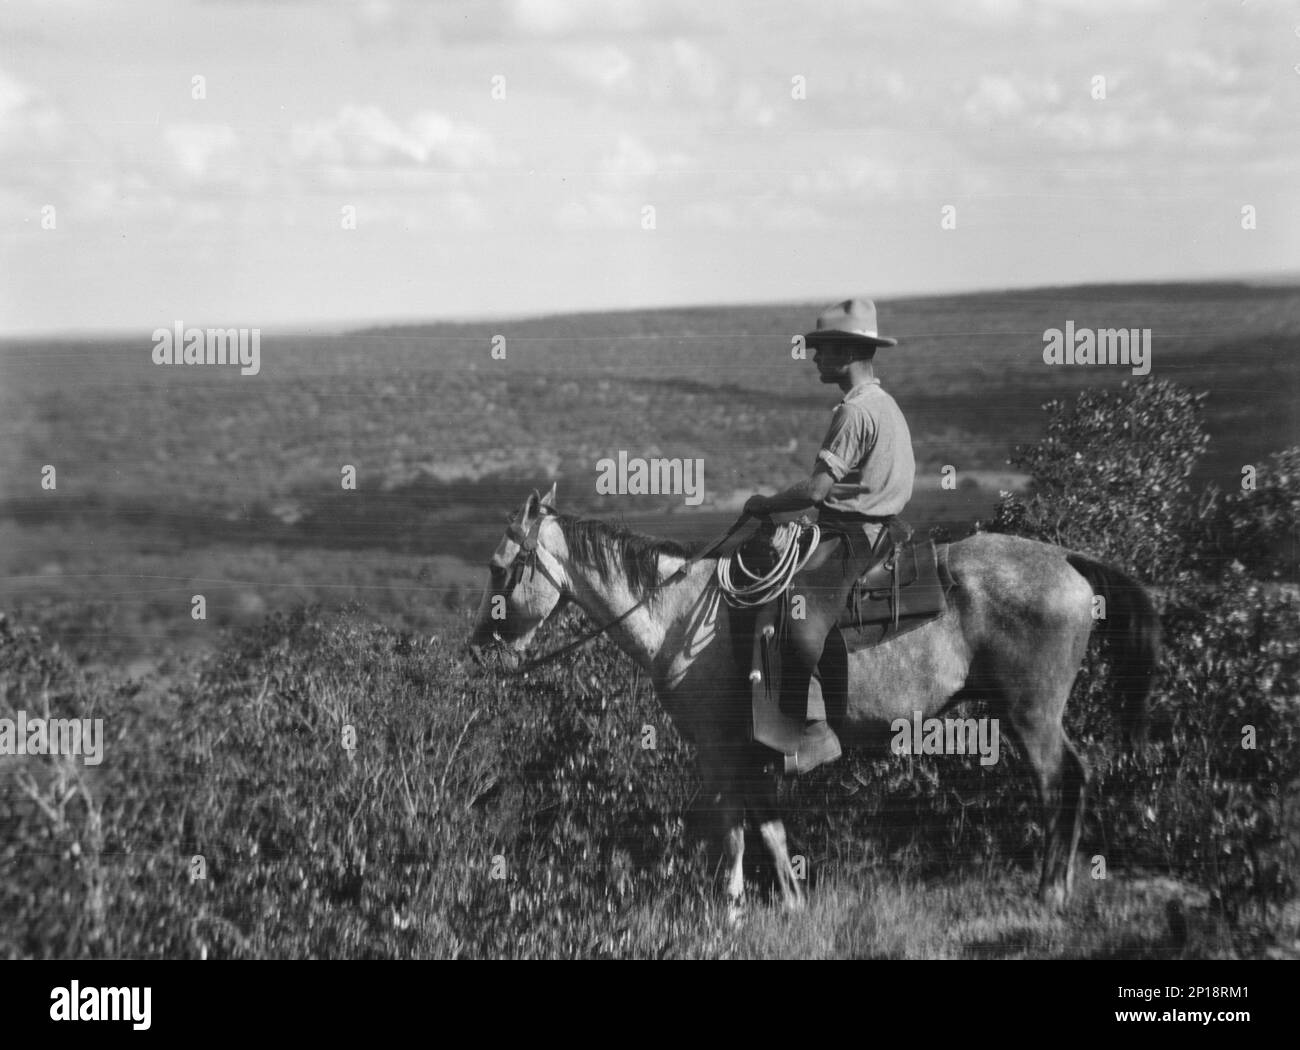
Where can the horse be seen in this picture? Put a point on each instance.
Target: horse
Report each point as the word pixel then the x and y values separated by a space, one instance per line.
pixel 1018 623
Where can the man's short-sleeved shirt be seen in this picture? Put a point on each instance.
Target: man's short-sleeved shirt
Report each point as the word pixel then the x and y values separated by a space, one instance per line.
pixel 868 451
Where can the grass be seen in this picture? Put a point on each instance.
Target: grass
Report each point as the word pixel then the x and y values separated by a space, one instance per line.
pixel 892 916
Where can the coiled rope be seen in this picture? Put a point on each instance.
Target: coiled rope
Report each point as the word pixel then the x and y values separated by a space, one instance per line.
pixel 762 589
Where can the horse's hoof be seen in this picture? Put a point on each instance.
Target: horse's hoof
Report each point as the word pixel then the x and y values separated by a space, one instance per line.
pixel 735 915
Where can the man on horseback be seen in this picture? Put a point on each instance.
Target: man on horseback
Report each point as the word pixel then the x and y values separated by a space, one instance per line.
pixel 862 477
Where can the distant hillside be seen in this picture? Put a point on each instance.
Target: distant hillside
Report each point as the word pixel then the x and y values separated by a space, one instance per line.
pixel 969 371
pixel 178 474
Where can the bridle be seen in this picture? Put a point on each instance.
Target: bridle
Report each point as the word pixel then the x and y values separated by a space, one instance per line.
pixel 531 557
pixel 530 552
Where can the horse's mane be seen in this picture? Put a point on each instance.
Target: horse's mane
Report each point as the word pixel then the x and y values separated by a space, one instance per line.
pixel 616 548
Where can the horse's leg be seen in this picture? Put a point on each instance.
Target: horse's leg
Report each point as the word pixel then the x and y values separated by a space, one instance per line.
pixel 1036 667
pixel 773 832
pixel 1061 779
pixel 761 796
pixel 1074 792
pixel 718 769
pixel 733 849
pixel 1062 786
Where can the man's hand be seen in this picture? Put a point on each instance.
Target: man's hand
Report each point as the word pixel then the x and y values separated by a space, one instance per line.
pixel 757 506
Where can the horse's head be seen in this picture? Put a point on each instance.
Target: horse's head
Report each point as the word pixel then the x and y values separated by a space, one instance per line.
pixel 525 584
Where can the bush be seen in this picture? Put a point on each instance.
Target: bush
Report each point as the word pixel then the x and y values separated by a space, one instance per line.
pixel 1256 526
pixel 52 895
pixel 311 848
pixel 1112 478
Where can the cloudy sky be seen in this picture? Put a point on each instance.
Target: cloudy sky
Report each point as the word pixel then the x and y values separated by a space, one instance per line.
pixel 789 151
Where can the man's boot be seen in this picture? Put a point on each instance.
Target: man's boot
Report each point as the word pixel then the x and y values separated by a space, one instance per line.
pixel 818 744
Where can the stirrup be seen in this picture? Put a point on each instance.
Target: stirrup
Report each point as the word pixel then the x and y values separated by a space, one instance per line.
pixel 817 746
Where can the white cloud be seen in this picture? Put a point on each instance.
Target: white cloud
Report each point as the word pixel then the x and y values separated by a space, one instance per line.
pixel 29 120
pixel 697 68
pixel 366 135
pixel 1106 130
pixel 49 157
pixel 204 151
pixel 632 164
pixel 659 72
pixel 552 18
pixel 754 106
pixel 13 95
pixel 995 98
pixel 1200 67
pixel 605 66
pixel 630 157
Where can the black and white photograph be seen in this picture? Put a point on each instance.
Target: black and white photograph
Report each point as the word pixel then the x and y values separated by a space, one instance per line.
pixel 651 480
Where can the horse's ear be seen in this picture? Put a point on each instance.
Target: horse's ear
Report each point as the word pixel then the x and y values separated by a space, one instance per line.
pixel 549 499
pixel 529 508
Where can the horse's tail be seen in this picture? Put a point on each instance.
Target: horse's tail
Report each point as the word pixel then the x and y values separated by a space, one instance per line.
pixel 1132 626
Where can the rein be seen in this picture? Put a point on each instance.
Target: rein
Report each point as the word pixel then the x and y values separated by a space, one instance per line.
pixel 530 553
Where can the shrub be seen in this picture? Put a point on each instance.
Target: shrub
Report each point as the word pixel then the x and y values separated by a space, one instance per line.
pixel 311 848
pixel 52 895
pixel 1256 526
pixel 1112 477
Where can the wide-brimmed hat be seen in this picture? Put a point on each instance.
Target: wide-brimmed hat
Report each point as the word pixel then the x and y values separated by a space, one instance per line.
pixel 852 322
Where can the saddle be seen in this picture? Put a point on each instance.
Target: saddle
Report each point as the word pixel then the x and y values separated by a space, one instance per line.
pixel 848 597
pixel 906 589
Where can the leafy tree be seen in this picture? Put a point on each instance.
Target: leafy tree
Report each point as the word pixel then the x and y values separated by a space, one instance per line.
pixel 1112 478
